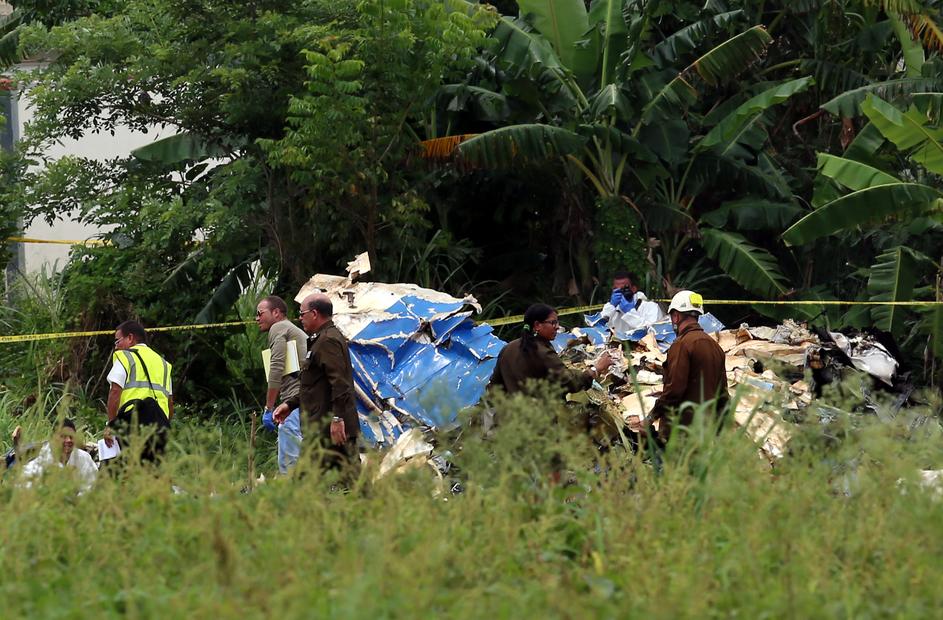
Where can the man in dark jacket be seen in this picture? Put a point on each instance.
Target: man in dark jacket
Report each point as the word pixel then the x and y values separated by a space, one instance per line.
pixel 326 398
pixel 695 371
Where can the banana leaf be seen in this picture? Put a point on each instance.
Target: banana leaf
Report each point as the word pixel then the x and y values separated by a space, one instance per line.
pixel 863 207
pixel 520 48
pixel 10 39
pixel 609 34
pixel 485 104
pixel 913 51
pixel 730 131
pixel 718 65
pixel 852 174
pixel 866 145
pixel 753 214
pixel 685 40
pixel 178 148
pixel 892 279
pixel 224 297
pixel 752 267
pixel 848 104
pixel 563 23
pixel 910 132
pixel 502 148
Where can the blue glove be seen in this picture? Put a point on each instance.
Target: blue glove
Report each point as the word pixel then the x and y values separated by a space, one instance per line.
pixel 268 421
pixel 627 305
pixel 617 298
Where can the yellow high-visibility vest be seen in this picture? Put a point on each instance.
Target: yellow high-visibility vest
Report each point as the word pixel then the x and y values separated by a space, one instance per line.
pixel 136 385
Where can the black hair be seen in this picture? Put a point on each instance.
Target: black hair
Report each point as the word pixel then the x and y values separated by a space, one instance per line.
pixel 133 328
pixel 534 314
pixel 322 305
pixel 622 274
pixel 276 303
pixel 67 423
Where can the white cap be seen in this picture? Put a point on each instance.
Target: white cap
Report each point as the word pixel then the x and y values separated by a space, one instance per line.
pixel 687 301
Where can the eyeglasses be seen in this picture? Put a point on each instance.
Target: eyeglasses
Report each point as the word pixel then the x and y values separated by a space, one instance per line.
pixel 553 323
pixel 119 339
pixel 260 312
pixel 304 312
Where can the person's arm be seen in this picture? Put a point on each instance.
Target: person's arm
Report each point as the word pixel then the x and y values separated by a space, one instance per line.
pixel 676 381
pixel 114 397
pixel 572 380
pixel 277 346
pixel 333 358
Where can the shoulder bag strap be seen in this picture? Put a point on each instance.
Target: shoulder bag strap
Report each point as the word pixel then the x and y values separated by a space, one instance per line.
pixel 146 374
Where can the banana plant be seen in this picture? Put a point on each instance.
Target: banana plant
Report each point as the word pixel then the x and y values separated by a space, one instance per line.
pixel 595 136
pixel 860 195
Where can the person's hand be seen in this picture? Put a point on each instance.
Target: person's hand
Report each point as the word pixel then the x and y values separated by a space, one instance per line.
pixel 627 304
pixel 617 297
pixel 603 363
pixel 281 413
pixel 338 432
pixel 268 420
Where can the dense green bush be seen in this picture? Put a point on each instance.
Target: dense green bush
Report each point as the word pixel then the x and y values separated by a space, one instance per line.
pixel 717 533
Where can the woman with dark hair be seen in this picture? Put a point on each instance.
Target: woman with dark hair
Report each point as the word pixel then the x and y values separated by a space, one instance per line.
pixel 532 357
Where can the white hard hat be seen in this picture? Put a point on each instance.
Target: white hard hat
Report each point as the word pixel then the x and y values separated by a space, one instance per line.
pixel 687 301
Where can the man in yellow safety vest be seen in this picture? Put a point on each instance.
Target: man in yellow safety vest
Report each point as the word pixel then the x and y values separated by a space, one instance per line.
pixel 138 372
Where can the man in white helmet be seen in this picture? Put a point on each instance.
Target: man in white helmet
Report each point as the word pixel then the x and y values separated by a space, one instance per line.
pixel 694 371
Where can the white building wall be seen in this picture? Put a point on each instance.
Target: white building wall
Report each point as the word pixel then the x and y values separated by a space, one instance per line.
pixel 98 147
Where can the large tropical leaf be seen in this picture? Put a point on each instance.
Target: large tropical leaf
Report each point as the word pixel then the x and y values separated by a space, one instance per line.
pixel 619 141
pixel 9 39
pixel 912 49
pixel 933 325
pixel 520 48
pixel 684 41
pixel 224 297
pixel 563 23
pixel 865 145
pixel 832 78
pixel 609 34
pixel 910 131
pixel 485 104
pixel 610 100
pixel 927 29
pixel 892 279
pixel 753 268
pixel 753 214
pixel 502 148
pixel 863 207
pixel 667 139
pixel 749 116
pixel 848 104
pixel 722 63
pixel 178 148
pixel 851 174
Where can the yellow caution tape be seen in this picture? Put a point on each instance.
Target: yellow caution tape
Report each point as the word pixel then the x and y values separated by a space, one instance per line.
pixel 507 320
pixel 59 241
pixel 111 332
pixel 517 318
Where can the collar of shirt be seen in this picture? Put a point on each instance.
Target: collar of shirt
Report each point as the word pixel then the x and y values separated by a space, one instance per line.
pixel 690 327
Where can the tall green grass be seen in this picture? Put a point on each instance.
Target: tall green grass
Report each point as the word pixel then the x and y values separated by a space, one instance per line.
pixel 838 531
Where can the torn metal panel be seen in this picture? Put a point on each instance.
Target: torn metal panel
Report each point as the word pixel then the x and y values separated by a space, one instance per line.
pixel 418 358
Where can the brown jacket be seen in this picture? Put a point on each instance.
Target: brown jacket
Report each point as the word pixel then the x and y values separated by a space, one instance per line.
pixel 516 366
pixel 695 371
pixel 327 385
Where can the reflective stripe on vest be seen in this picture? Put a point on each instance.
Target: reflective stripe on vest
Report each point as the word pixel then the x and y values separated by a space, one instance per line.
pixel 136 385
